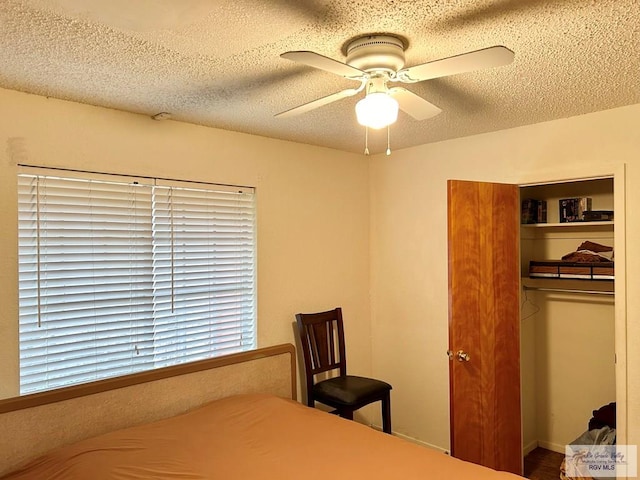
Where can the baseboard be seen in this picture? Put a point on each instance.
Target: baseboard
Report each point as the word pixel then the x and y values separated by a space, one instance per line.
pixel 529 448
pixel 414 440
pixel 554 447
pixel 420 442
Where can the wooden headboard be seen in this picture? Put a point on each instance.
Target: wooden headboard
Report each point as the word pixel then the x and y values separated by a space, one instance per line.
pixel 34 424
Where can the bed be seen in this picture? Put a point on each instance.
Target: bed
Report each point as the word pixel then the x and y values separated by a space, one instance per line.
pixel 244 424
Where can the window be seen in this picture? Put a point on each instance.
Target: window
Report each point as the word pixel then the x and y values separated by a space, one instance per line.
pixel 120 274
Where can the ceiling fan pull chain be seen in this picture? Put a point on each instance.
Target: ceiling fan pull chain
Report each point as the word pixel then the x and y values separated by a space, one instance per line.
pixel 388 140
pixel 366 140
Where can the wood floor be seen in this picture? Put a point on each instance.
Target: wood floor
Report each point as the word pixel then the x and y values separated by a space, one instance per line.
pixel 542 464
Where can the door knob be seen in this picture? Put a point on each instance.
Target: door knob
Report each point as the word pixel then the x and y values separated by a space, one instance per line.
pixel 460 355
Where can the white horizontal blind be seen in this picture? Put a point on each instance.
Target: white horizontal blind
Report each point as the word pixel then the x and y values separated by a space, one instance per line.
pixel 203 273
pixel 85 280
pixel 120 276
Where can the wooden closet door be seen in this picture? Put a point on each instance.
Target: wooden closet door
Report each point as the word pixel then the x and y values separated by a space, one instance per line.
pixel 484 324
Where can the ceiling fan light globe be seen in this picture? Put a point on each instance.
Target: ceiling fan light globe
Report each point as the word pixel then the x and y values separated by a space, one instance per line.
pixel 377 110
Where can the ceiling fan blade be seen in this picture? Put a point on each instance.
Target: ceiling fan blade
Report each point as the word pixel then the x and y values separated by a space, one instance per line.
pixel 324 63
pixel 318 103
pixel 466 62
pixel 413 104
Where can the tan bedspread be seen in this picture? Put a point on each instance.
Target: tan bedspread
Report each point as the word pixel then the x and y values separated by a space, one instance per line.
pixel 250 437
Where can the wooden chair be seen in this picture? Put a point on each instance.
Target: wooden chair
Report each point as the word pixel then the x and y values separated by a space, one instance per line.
pixel 322 339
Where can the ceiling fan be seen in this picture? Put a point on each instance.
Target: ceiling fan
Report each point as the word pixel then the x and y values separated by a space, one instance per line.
pixel 378 60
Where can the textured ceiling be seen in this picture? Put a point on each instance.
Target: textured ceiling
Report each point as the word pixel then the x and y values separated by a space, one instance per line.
pixel 217 63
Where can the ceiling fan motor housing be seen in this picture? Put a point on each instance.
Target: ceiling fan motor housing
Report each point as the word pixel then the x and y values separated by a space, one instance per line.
pixel 376 53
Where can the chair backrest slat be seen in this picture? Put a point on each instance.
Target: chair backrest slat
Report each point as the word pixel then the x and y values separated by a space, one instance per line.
pixel 322 340
pixel 331 344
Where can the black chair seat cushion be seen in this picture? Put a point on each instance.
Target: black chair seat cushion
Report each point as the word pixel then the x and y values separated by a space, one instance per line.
pixel 349 390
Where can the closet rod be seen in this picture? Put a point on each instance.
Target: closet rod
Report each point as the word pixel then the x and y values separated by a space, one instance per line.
pixel 569 290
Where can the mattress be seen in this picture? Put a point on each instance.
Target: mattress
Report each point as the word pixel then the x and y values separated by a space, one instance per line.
pixel 250 437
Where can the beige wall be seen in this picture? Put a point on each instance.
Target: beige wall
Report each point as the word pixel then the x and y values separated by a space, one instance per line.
pixel 313 221
pixel 409 247
pixel 332 224
pixel 575 371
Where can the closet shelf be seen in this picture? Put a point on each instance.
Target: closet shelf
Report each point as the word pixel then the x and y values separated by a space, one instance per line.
pixel 560 285
pixel 574 225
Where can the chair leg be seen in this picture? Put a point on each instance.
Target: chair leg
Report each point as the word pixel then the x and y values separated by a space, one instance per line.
pixel 386 414
pixel 310 400
pixel 348 414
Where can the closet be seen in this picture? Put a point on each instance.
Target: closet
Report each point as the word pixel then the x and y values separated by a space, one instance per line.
pixel 567 325
pixel 532 358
